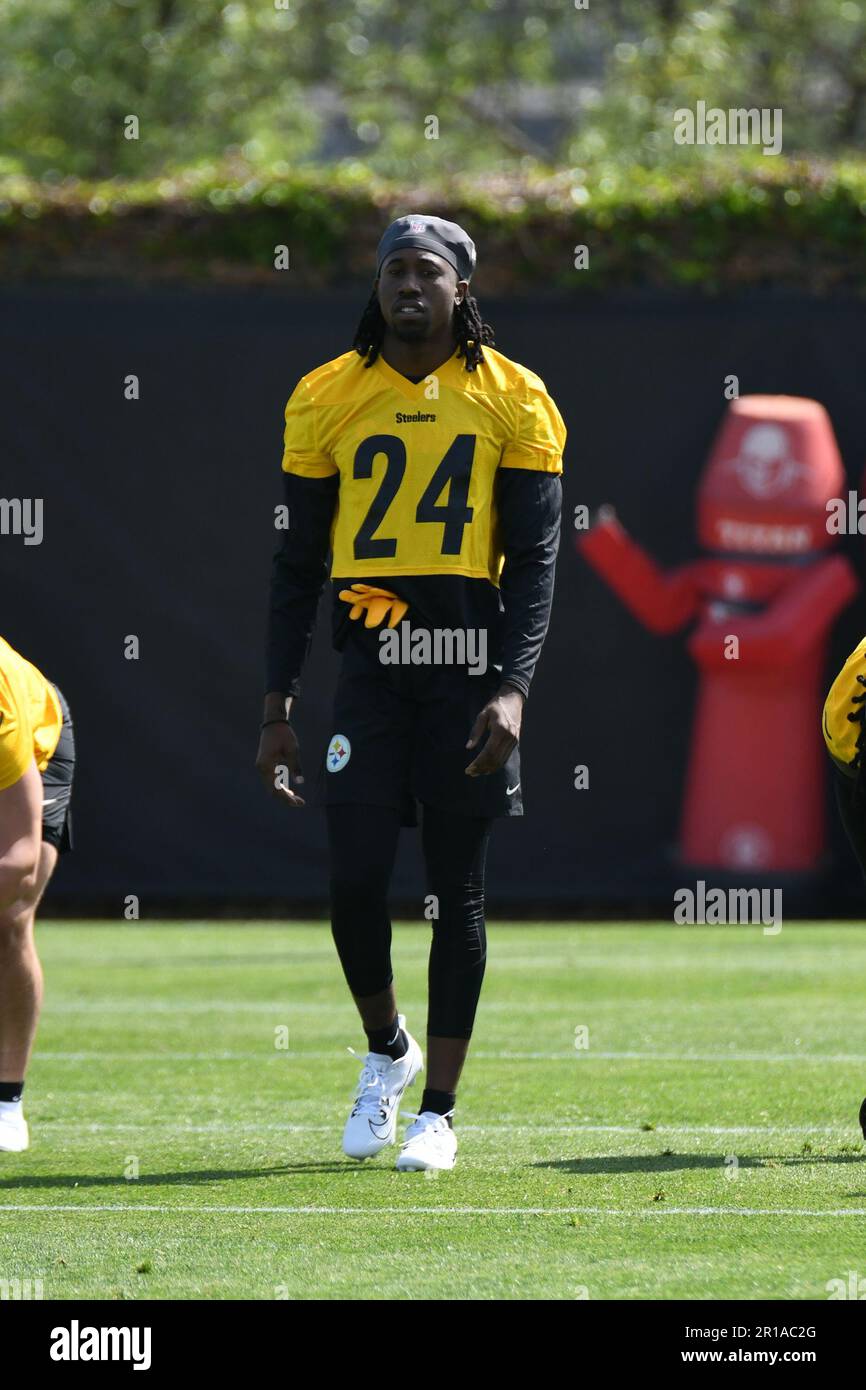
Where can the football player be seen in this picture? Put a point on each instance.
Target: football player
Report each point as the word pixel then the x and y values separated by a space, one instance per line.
pixel 429 465
pixel 843 724
pixel 37 761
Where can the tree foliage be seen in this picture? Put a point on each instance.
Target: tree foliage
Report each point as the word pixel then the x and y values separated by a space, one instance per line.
pixel 314 81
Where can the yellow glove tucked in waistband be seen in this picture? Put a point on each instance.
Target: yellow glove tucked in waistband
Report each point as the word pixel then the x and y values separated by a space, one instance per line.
pixel 375 604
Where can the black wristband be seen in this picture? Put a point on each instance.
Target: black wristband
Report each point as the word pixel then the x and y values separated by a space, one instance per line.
pixel 266 722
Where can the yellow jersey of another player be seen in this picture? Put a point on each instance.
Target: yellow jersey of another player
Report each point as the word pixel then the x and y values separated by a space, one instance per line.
pixel 417 463
pixel 30 717
pixel 846 696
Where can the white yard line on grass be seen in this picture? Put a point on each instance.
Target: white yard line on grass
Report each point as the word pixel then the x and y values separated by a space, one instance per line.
pixel 135 1006
pixel 279 1007
pixel 580 1057
pixel 165 1209
pixel 781 953
pixel 251 1127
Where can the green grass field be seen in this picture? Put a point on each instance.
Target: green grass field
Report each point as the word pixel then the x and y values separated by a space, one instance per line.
pixel 704 1146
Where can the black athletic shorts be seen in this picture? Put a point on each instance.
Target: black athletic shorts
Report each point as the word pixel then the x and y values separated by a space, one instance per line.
pixel 399 735
pixel 57 786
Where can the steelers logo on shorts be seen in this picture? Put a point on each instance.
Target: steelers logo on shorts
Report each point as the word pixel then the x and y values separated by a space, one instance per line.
pixel 338 754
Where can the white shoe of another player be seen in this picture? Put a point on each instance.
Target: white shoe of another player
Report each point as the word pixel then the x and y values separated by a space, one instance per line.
pixel 14 1136
pixel 372 1124
pixel 430 1143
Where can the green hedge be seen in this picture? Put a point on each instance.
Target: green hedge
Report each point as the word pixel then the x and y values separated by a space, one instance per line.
pixel 712 226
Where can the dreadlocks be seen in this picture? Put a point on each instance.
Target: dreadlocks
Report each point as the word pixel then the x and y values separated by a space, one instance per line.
pixel 470 331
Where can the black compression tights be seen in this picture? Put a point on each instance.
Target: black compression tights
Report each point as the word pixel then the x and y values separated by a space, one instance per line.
pixel 853 814
pixel 363 843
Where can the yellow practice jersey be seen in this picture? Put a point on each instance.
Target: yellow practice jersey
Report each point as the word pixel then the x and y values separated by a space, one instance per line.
pixel 840 732
pixel 417 463
pixel 30 717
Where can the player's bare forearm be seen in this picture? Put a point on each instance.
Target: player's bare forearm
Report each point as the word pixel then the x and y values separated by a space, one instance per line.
pixel 279 757
pixel 500 719
pixel 277 706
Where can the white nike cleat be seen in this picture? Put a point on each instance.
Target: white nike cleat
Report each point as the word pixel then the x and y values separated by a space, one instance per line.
pixel 373 1122
pixel 430 1144
pixel 14 1135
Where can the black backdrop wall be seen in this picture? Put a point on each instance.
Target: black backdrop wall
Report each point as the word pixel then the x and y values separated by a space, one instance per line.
pixel 158 522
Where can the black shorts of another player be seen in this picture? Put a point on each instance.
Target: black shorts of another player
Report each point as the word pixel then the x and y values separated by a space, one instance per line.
pixel 407 727
pixel 57 786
